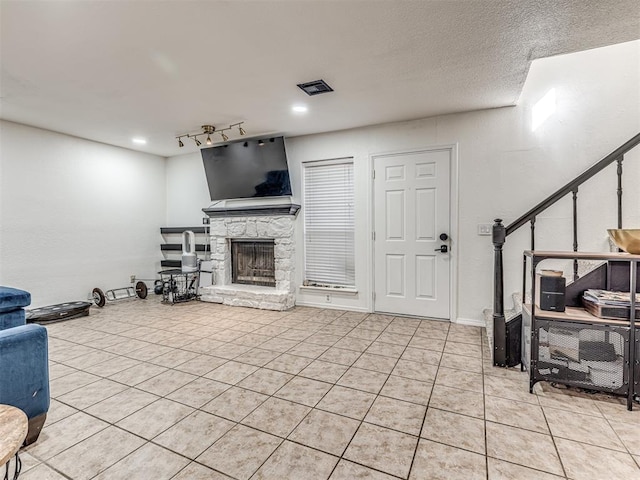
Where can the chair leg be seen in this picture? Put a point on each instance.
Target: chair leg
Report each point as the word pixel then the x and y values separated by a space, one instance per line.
pixel 35 426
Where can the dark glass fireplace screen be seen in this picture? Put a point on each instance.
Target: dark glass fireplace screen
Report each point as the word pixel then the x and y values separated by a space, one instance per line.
pixel 253 262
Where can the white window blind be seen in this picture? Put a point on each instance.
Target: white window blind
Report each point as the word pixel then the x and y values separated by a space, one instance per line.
pixel 329 223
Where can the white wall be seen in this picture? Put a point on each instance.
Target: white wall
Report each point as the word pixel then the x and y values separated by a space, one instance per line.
pixel 504 169
pixel 187 191
pixel 76 214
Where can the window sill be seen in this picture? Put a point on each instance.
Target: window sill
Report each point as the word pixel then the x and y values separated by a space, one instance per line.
pixel 339 290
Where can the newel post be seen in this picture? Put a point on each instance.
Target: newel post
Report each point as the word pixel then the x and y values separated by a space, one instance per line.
pixel 499 325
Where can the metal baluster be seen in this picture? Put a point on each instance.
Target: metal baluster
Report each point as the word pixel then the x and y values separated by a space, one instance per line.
pixel 533 233
pixel 575 232
pixel 620 191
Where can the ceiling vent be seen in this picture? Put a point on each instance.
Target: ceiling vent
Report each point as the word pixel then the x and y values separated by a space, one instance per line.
pixel 315 88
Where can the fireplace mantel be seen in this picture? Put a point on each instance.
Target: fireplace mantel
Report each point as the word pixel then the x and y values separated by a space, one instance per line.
pixel 253 211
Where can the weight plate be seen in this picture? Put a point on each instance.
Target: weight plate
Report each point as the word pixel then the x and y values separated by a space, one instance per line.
pixel 141 289
pixel 98 297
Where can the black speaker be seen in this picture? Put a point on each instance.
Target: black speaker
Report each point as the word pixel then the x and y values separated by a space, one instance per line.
pixel 552 293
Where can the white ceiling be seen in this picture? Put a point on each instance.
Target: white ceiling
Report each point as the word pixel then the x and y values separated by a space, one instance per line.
pixel 112 70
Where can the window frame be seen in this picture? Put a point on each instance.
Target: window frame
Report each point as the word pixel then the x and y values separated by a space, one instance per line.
pixel 313 284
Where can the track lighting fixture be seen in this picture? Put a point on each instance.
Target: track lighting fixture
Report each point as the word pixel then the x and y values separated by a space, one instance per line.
pixel 241 130
pixel 260 143
pixel 245 144
pixel 209 130
pixel 224 136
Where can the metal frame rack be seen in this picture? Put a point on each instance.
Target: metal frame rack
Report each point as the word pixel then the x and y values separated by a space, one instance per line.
pixel 621 376
pixel 179 286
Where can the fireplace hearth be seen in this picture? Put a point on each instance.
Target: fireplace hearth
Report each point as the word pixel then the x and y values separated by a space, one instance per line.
pixel 253 262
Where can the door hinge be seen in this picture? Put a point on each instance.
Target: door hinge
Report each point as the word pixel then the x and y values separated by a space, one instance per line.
pixel 373 236
pixel 373 174
pixel 374 296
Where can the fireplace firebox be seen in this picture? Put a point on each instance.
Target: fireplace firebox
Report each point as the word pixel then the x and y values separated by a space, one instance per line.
pixel 253 262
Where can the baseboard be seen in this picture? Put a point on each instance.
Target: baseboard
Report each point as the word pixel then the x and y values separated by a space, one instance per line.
pixel 472 322
pixel 331 306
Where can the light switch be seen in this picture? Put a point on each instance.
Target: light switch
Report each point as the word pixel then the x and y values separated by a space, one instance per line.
pixel 485 229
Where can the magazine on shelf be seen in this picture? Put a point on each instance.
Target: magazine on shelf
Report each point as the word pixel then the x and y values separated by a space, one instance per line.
pixel 606 297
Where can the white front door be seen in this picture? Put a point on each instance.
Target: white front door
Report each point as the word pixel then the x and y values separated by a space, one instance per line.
pixel 411 202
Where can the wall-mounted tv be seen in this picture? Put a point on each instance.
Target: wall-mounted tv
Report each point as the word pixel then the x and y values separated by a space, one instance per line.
pixel 247 168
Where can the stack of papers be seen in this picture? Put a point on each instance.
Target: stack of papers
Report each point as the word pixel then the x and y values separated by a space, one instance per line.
pixel 605 297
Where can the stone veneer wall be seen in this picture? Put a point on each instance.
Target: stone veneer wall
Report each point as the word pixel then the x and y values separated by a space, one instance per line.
pixel 279 228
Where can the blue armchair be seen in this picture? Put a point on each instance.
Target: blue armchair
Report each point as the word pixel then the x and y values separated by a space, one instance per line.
pixel 24 370
pixel 12 303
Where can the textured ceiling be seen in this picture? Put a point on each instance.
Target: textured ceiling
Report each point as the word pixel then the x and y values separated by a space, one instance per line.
pixel 112 70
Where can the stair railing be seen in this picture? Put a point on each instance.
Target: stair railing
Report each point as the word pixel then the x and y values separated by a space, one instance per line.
pixel 500 233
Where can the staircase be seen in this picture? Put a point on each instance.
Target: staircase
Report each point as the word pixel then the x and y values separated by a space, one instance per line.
pixel 503 325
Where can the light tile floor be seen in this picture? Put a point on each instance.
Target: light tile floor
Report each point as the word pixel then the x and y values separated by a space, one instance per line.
pixel 142 390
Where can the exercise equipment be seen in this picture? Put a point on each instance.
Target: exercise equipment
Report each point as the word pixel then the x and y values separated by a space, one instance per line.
pixel 100 298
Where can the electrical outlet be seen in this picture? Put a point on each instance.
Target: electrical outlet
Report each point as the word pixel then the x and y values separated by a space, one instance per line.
pixel 206 220
pixel 328 298
pixel 485 229
pixel 132 278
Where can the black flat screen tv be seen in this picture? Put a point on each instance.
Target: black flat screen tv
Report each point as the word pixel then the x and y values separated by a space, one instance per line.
pixel 247 169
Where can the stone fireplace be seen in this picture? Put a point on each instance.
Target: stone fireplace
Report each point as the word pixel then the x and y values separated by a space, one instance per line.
pixel 244 238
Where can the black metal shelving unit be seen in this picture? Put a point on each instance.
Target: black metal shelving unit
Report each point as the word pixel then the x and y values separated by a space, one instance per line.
pixel 575 347
pixel 173 233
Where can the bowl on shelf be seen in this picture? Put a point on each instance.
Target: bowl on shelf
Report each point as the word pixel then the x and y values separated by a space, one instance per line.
pixel 628 239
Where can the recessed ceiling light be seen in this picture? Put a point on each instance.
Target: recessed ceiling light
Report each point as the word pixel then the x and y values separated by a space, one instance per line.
pixel 299 109
pixel 139 141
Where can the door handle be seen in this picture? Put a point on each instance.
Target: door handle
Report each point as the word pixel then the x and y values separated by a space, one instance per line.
pixel 442 249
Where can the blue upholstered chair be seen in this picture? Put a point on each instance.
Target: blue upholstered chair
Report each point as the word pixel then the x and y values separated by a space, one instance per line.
pixel 12 303
pixel 24 369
